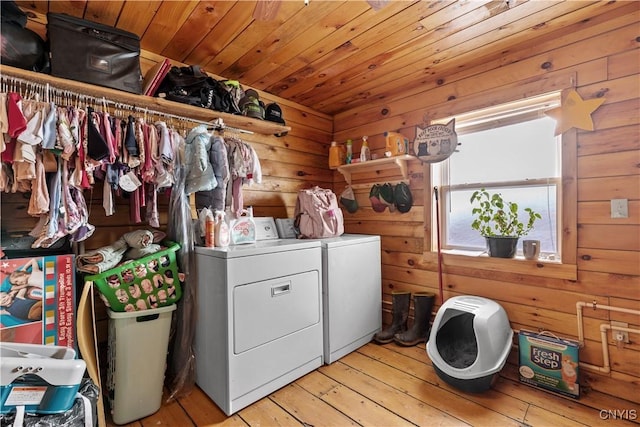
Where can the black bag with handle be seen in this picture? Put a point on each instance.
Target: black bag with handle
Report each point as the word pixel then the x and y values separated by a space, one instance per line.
pixel 21 47
pixel 190 85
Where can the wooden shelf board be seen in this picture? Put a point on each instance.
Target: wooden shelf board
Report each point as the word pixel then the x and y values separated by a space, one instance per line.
pixel 142 102
pixel 396 162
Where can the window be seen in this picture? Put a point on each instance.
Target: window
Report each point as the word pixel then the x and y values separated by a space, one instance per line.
pixel 511 149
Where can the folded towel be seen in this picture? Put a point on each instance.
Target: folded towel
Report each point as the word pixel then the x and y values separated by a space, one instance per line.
pixel 139 238
pixel 137 253
pixel 132 245
pixel 103 258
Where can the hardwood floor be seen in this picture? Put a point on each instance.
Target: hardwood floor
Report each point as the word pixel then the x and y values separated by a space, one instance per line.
pixel 395 386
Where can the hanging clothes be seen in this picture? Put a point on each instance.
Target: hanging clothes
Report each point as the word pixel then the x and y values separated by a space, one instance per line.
pixel 130 143
pixel 165 167
pixel 149 174
pixel 215 199
pixel 39 200
pixel 243 163
pixel 57 149
pixel 97 148
pixel 199 172
pixel 16 120
pixel 49 127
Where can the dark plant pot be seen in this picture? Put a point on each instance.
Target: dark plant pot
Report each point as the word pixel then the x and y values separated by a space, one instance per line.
pixel 502 247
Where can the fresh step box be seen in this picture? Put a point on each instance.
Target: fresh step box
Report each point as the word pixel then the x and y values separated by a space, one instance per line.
pixel 549 363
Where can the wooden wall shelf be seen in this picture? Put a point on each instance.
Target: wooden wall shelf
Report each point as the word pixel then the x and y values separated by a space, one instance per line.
pixel 396 162
pixel 143 102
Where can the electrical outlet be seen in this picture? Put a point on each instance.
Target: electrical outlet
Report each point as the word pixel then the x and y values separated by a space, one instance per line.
pixel 619 208
pixel 620 336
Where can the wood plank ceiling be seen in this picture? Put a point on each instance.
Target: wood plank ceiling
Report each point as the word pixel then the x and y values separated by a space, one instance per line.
pixel 333 56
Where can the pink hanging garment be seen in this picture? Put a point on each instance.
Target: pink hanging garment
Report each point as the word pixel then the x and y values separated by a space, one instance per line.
pixel 134 206
pixel 78 165
pixel 148 175
pixel 10 148
pixel 16 120
pixel 107 199
pixel 109 137
pixel 142 143
pixel 151 153
pixel 238 200
pixel 39 200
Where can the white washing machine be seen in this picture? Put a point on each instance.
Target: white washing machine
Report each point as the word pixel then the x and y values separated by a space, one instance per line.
pixel 259 321
pixel 351 293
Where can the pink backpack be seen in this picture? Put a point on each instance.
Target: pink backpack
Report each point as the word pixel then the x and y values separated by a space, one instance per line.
pixel 317 214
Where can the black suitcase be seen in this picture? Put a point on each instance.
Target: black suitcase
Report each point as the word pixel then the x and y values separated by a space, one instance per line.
pixel 93 53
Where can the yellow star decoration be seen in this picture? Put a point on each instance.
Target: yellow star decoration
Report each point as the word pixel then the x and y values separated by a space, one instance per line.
pixel 574 112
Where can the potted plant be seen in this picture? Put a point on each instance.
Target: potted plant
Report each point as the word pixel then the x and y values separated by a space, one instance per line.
pixel 497 220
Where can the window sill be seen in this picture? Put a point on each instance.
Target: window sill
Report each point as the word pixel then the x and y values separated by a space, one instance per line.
pixel 476 260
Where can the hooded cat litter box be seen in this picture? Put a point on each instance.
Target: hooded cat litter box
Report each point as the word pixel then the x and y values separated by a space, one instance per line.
pixel 469 342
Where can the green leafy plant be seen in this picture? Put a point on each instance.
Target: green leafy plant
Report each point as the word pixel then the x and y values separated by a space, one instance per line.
pixel 496 217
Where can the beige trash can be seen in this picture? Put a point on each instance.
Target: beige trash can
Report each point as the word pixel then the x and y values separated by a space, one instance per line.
pixel 137 353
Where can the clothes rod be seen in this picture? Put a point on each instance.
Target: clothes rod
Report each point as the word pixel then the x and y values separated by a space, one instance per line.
pixel 48 91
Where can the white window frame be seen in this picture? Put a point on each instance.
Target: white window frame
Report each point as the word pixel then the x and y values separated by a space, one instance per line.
pixel 488 118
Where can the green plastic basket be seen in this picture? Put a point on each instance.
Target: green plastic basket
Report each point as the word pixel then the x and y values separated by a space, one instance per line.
pixel 149 282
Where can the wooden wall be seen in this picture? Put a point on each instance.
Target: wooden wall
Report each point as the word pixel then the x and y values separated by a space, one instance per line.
pixel 601 57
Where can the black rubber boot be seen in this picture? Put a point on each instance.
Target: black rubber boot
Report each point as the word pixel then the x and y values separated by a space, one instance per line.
pixel 419 331
pixel 400 315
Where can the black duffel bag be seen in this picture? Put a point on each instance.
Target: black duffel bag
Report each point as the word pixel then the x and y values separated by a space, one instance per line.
pixel 190 85
pixel 21 47
pixel 93 53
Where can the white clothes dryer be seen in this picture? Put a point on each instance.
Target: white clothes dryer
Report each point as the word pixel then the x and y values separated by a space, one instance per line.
pixel 259 318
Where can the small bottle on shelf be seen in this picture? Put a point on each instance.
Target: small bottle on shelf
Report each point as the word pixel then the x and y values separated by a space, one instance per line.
pixel 365 152
pixel 334 155
pixel 349 156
